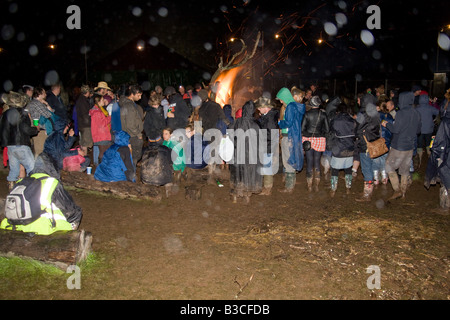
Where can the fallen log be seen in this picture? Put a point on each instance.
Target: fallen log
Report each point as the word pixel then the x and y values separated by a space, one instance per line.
pixel 61 249
pixel 121 189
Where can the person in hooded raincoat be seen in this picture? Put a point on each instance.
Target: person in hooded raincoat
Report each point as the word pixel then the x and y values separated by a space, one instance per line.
pixel 291 142
pixel 438 166
pixel 404 131
pixel 245 170
pixel 117 163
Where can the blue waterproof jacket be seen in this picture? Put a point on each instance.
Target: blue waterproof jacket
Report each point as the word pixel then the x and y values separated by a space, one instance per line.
pixel 293 117
pixel 56 145
pixel 113 166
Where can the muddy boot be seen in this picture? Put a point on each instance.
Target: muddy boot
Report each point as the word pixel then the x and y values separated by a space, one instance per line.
pixel 367 193
pixel 376 176
pixel 404 184
pixel 444 199
pixel 211 173
pixel 309 183
pixel 177 177
pixel 247 199
pixel 268 184
pixel 316 181
pixel 384 177
pixel 289 183
pixel 348 182
pixel 10 185
pixel 334 184
pixel 393 178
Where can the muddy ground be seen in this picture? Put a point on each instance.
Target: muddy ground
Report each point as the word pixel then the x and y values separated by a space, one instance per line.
pixel 280 247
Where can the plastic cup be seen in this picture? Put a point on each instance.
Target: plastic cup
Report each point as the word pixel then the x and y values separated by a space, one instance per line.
pixel 89 170
pixel 35 122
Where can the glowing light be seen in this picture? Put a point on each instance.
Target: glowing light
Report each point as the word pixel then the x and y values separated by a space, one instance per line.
pixel 140 48
pixel 320 41
pixel 232 39
pixel 1 50
pixel 277 36
pixel 225 91
pixel 52 46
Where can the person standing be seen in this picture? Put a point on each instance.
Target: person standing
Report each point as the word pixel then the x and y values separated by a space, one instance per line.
pixel 427 115
pixel 100 127
pixel 178 111
pixel 132 120
pixel 368 121
pixel 404 131
pixel 314 129
pixel 56 103
pixel 38 107
pixel 268 122
pixel 16 132
pixel 343 129
pixel 154 122
pixel 291 141
pixel 83 106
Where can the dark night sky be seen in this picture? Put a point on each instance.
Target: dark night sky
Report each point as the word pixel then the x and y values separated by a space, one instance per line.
pixel 404 48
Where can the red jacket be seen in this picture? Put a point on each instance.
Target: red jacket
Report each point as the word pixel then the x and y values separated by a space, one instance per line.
pixel 100 125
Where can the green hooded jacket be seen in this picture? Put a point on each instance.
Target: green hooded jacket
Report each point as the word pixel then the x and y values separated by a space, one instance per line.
pixel 285 95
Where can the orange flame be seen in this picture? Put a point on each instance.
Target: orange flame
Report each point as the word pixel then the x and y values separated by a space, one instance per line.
pixel 225 91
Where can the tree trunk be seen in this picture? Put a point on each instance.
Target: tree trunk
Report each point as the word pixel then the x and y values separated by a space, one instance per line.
pixel 121 189
pixel 61 249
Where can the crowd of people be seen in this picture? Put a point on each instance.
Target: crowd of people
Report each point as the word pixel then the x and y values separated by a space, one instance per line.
pixel 165 134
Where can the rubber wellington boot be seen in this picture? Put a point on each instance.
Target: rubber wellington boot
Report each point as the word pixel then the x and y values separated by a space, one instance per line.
pixel 367 192
pixel 404 184
pixel 289 183
pixel 348 182
pixel 268 184
pixel 334 184
pixel 309 183
pixel 393 178
pixel 316 181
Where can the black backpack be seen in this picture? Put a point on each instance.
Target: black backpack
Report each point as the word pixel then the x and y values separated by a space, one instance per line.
pixel 23 203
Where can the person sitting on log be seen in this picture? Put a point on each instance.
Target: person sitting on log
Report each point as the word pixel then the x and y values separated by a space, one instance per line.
pixel 55 209
pixel 58 147
pixel 117 162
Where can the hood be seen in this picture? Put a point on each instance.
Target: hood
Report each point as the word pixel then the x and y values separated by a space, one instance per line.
pixel 248 110
pixel 285 95
pixel 405 100
pixel 45 164
pixel 332 105
pixel 227 110
pixel 368 99
pixel 424 100
pixel 60 125
pixel 371 110
pixel 121 138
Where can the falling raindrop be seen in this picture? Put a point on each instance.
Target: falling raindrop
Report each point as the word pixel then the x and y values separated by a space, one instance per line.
pixel 358 77
pixel 341 19
pixel 206 75
pixel 8 32
pixel 330 28
pixel 205 214
pixel 51 78
pixel 208 46
pixel 137 12
pixel 367 38
pixel 7 85
pixel 400 67
pixel 154 41
pixel 216 20
pixel 342 5
pixel 224 9
pixel 163 12
pixel 145 85
pixel 33 50
pixel 444 42
pixel 84 49
pixel 424 56
pixel 196 101
pixel 376 55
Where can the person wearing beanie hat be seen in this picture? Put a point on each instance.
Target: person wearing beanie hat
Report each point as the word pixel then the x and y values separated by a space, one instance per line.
pixel 291 142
